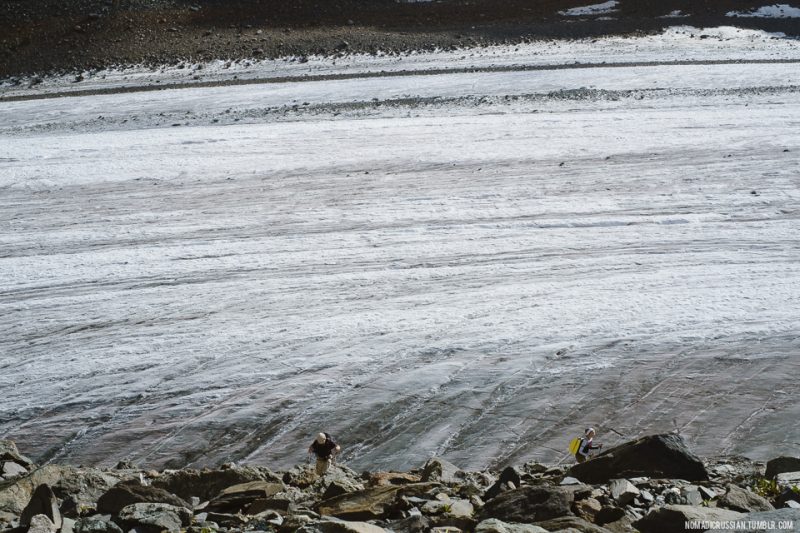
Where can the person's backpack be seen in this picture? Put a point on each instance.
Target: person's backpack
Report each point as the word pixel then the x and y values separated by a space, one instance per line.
pixel 575 445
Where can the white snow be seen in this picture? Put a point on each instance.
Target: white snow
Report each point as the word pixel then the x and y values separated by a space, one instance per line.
pixel 594 9
pixel 775 11
pixel 679 43
pixel 677 13
pixel 468 264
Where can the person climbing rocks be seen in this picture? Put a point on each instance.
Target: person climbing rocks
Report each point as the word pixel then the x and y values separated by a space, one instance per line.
pixel 325 448
pixel 587 446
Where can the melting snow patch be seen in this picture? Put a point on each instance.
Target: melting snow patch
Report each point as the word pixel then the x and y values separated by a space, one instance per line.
pixel 780 11
pixel 596 9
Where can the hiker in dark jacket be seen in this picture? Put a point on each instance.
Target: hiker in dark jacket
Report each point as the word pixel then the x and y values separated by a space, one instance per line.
pixel 325 448
pixel 587 446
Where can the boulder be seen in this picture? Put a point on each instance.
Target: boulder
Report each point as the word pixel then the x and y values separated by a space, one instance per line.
pixel 97 524
pixel 378 479
pixel 780 465
pixel 9 452
pixel 460 508
pixel 340 526
pixel 371 503
pixel 15 494
pixel 672 518
pixel 498 488
pixel 237 498
pixel 779 519
pixel 301 476
pixel 83 487
pixel 205 484
pixel 786 496
pixel 43 502
pixel 416 523
pixel 529 504
pixel 571 522
pixel 10 469
pixel 439 470
pixel 493 525
pixel 587 508
pixel 284 501
pixel 691 495
pixel 707 493
pixel 67 525
pixel 788 478
pixel 41 524
pixel 623 491
pixel 7 520
pixel 337 487
pixel 656 456
pixel 744 501
pixel 511 474
pixel 125 494
pixel 609 514
pixel 227 520
pixel 155 517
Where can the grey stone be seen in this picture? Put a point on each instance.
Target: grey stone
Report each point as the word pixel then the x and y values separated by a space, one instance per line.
pixel 460 508
pixel 788 478
pixel 41 524
pixel 706 493
pixel 155 517
pixel 239 497
pixel 587 508
pixel 337 487
pixel 776 518
pixel 609 514
pixel 125 494
pixel 672 518
pixel 11 469
pixel 780 465
pixel 787 496
pixel 415 523
pixel 43 502
pixel 341 526
pixel 372 503
pixel 493 525
pixel 205 484
pixel 572 522
pixel 16 495
pixel 568 480
pixel 623 491
pixel 529 504
pixel 9 452
pixel 692 496
pixel 792 504
pixel 657 456
pixel 646 496
pixel 437 469
pixel 67 525
pixel 744 501
pixel 97 524
pixel 511 474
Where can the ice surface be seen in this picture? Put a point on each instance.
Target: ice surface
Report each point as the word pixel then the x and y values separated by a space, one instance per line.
pixel 775 11
pixel 594 9
pixel 476 265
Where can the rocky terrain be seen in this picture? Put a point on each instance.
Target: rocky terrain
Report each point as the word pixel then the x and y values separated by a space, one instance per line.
pixel 69 35
pixel 654 484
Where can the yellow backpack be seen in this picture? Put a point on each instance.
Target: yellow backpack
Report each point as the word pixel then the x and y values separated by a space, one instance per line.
pixel 575 445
